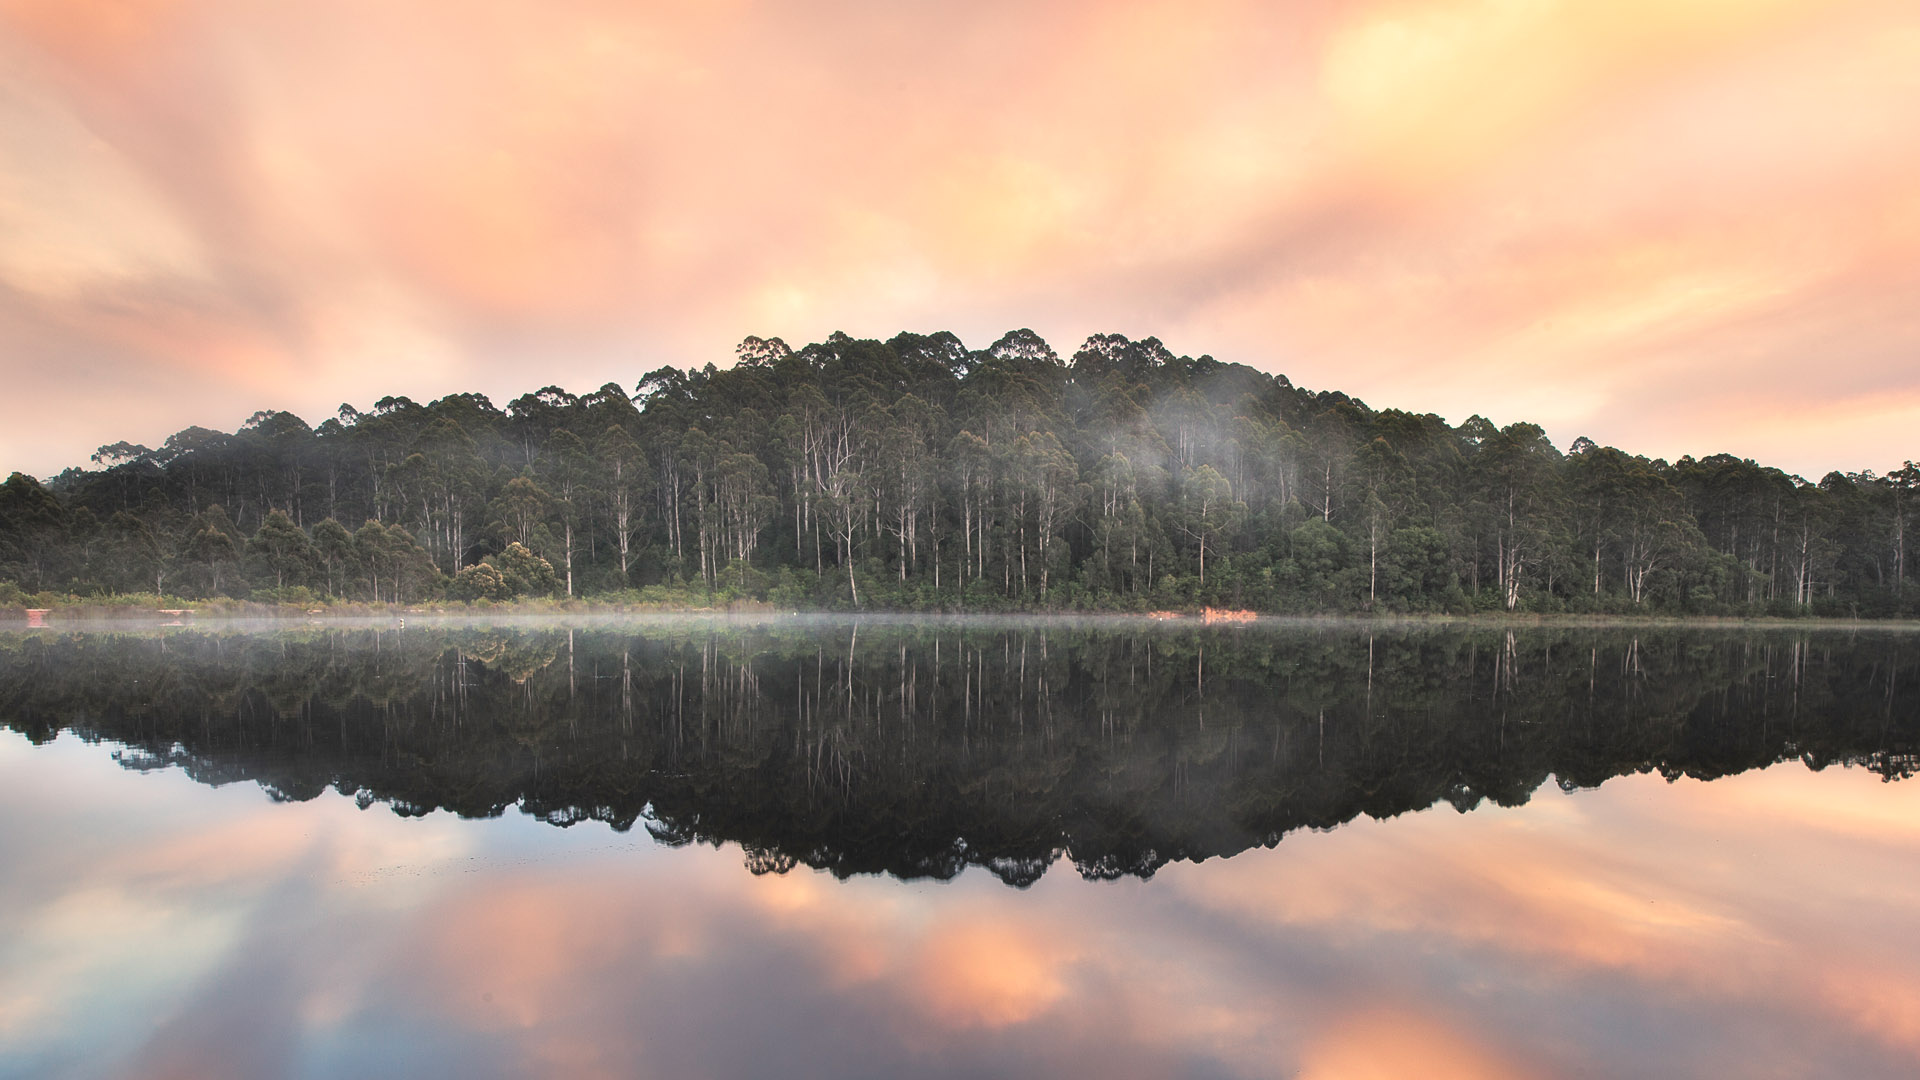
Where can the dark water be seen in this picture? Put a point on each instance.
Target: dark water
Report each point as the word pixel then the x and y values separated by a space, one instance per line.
pixel 959 848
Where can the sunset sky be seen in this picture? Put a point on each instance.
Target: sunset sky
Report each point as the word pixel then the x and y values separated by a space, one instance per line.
pixel 1676 226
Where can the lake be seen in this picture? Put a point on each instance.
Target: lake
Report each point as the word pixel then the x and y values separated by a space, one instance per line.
pixel 994 847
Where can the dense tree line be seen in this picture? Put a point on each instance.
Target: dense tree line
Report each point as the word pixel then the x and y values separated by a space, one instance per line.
pixel 921 749
pixel 917 473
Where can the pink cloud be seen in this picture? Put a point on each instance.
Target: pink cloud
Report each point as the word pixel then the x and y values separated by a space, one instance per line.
pixel 1599 218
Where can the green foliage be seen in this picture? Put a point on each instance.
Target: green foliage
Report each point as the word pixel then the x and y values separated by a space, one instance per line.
pixel 522 573
pixel 292 595
pixel 283 551
pixel 390 563
pixel 1419 569
pixel 333 548
pixel 481 581
pixel 211 547
pixel 1319 556
pixel 918 474
pixel 32 523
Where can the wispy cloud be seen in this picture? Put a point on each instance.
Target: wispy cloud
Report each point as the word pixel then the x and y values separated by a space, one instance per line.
pixel 1682 226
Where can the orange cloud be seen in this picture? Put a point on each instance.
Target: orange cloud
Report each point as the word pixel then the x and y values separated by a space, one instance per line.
pixel 1602 217
pixel 1389 1045
pixel 991 974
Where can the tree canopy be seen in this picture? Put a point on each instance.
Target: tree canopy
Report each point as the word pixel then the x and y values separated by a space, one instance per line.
pixel 916 473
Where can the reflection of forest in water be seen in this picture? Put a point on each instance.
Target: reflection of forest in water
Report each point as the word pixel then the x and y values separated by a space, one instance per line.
pixel 917 749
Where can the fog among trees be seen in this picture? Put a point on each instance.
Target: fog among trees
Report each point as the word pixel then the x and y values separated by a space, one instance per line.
pixel 916 473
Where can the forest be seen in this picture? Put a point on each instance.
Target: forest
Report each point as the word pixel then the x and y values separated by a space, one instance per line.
pixel 916 474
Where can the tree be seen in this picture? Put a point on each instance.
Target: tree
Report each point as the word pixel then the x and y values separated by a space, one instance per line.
pixel 755 352
pixel 1903 487
pixel 135 554
pixel 32 525
pixel 214 544
pixel 1072 484
pixel 521 511
pixel 744 495
pixel 121 453
pixel 1628 506
pixel 283 550
pixel 1318 552
pixel 1119 519
pixel 1418 567
pixel 1810 550
pixel 906 474
pixel 394 564
pixel 1515 467
pixel 969 459
pixel 1388 485
pixel 447 478
pixel 524 573
pixel 1210 511
pixel 481 581
pixel 333 547
pixel 568 466
pixel 1654 529
pixel 1053 478
pixel 624 481
pixel 829 441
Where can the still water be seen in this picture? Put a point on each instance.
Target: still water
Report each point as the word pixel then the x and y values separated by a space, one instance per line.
pixel 982 848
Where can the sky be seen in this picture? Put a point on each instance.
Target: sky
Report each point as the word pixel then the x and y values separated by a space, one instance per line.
pixel 1674 226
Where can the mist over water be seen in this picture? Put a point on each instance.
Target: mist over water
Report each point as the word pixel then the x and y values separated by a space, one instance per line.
pixel 809 826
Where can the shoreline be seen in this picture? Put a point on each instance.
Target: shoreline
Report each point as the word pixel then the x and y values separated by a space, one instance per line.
pixel 86 615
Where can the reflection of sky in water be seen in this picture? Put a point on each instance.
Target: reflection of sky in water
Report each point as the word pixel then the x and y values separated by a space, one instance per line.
pixel 1760 925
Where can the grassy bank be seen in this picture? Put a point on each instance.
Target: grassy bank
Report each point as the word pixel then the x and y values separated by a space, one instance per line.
pixel 16 605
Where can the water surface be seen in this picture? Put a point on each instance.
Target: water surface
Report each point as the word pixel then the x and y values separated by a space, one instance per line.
pixel 828 848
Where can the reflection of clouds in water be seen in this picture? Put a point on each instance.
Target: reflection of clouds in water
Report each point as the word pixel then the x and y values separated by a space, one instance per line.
pixel 1549 894
pixel 1385 1045
pixel 70 957
pixel 133 889
pixel 1674 887
pixel 990 974
pixel 1644 926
